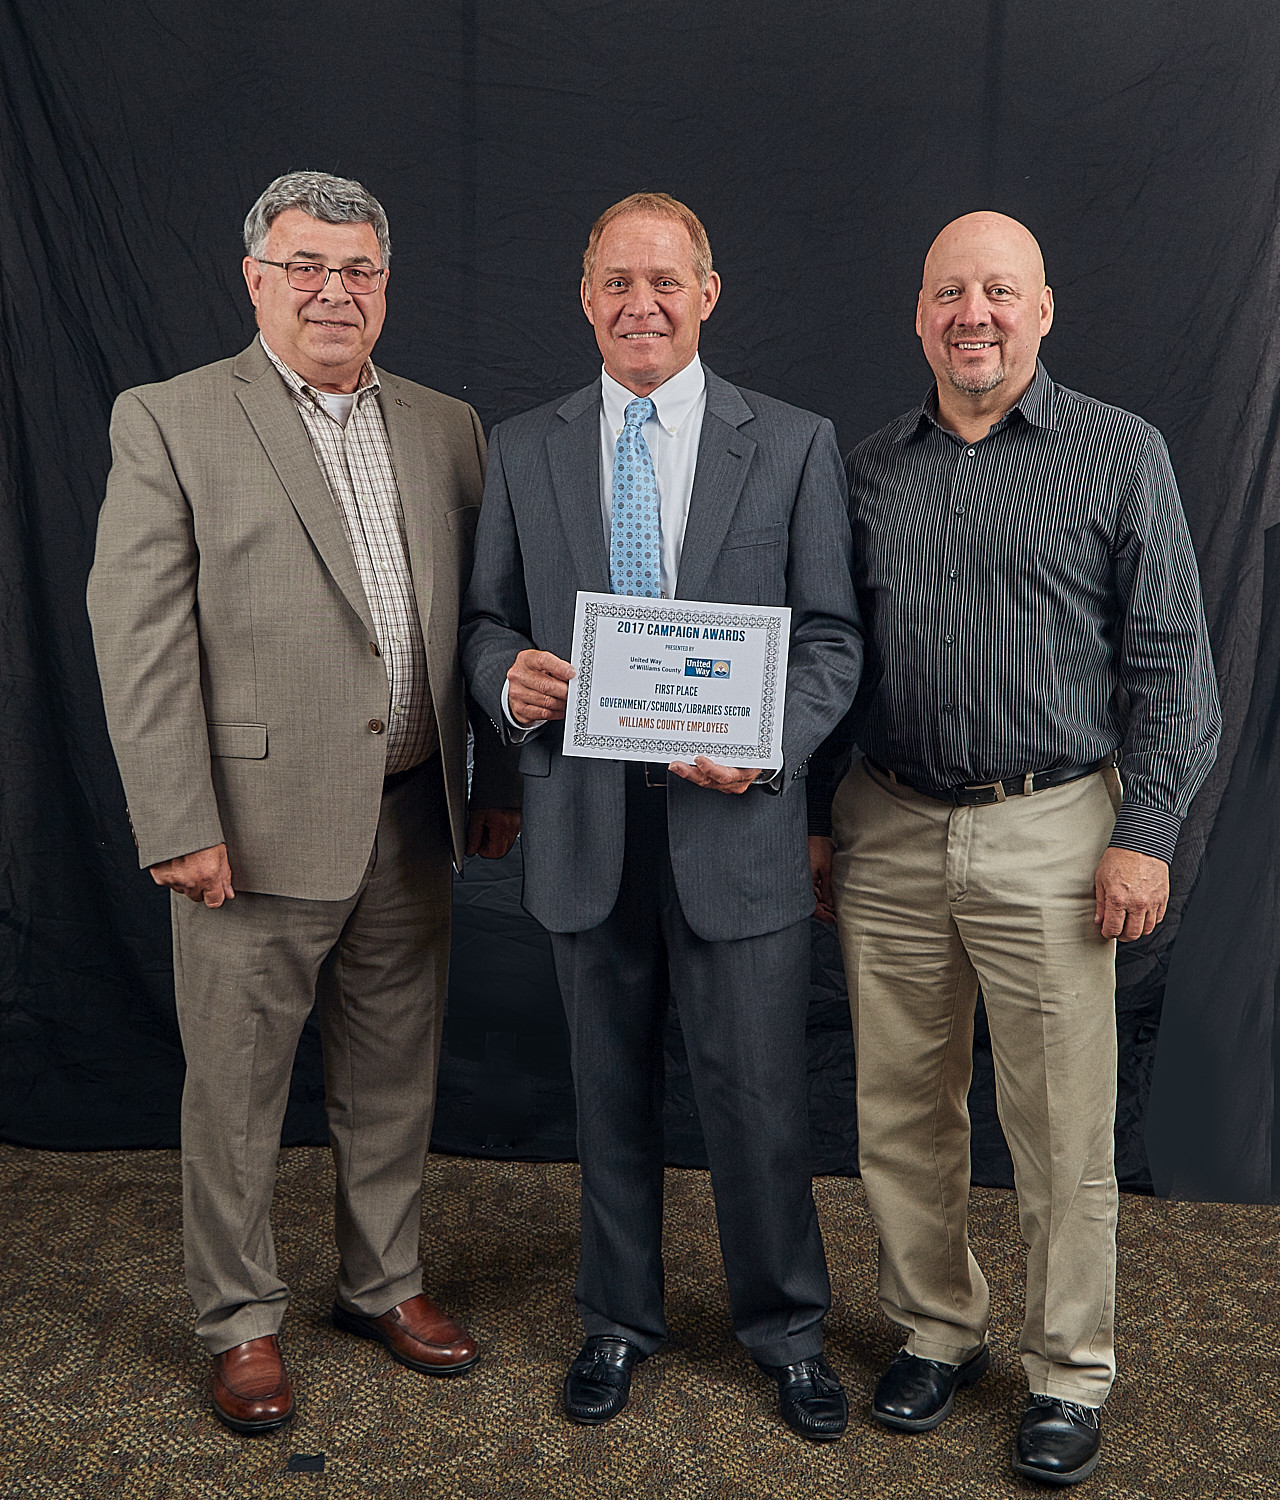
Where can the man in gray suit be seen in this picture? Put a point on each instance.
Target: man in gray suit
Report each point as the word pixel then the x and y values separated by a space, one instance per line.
pixel 688 876
pixel 281 553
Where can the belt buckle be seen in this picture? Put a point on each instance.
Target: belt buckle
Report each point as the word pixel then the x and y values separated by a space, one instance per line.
pixel 989 786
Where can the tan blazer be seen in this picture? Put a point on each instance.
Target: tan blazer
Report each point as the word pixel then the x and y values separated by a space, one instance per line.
pixel 234 641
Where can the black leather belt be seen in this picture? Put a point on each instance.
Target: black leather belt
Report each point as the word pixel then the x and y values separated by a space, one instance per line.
pixel 987 793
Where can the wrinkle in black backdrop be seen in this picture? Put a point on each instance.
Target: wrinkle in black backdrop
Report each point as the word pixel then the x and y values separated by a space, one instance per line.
pixel 823 147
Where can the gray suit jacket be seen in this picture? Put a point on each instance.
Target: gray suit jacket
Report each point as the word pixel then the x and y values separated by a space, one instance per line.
pixel 767 524
pixel 233 637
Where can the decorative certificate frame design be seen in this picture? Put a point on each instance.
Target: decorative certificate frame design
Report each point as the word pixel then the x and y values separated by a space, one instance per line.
pixel 774 621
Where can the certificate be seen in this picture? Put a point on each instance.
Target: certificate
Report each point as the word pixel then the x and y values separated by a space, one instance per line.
pixel 672 679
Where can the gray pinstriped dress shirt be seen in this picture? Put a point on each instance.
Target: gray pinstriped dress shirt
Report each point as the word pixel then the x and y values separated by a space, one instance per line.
pixel 1031 602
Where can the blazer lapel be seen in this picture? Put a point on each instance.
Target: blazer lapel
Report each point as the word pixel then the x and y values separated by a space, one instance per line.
pixel 573 452
pixel 419 482
pixel 270 408
pixel 724 456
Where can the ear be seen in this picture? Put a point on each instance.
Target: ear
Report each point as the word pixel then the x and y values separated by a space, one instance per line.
pixel 710 295
pixel 919 312
pixel 1046 311
pixel 253 278
pixel 585 294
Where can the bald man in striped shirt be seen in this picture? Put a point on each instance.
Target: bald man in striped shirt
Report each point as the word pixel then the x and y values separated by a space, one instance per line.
pixel 1034 619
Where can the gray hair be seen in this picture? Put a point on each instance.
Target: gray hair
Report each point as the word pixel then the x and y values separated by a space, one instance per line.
pixel 332 200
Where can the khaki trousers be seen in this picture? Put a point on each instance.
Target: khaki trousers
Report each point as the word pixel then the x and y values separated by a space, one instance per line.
pixel 933 901
pixel 246 975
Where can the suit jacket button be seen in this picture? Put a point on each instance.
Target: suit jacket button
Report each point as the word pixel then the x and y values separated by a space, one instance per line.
pixel 376 726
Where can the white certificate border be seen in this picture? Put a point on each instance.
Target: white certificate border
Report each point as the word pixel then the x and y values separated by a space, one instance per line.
pixel 592 611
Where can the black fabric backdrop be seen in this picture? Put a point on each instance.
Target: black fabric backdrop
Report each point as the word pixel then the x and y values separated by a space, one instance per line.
pixel 823 146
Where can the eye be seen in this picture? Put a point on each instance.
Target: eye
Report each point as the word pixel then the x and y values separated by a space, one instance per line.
pixel 306 268
pixel 947 292
pixel 355 277
pixel 1000 291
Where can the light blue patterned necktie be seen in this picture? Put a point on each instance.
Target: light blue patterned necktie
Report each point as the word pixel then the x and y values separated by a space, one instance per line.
pixel 635 556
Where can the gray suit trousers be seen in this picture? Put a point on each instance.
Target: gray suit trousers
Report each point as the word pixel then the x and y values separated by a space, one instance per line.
pixel 246 975
pixel 742 1007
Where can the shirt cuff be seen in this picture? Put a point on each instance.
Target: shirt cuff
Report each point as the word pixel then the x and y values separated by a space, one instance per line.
pixel 1144 830
pixel 519 732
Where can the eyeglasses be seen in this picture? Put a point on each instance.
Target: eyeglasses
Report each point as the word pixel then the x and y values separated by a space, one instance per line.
pixel 307 276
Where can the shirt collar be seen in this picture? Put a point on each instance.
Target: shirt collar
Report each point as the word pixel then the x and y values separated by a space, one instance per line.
pixel 1037 406
pixel 674 400
pixel 303 392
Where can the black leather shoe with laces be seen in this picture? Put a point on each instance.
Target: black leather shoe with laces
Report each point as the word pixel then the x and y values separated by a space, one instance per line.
pixel 916 1394
pixel 811 1398
pixel 1059 1442
pixel 599 1380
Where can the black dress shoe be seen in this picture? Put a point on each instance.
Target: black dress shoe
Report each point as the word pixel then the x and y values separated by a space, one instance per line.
pixel 1058 1441
pixel 599 1380
pixel 916 1394
pixel 811 1398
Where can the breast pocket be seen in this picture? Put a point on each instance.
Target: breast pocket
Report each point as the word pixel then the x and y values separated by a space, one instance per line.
pixel 463 521
pixel 751 567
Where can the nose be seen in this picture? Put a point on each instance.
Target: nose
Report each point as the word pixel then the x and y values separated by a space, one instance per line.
pixel 973 308
pixel 334 291
pixel 641 300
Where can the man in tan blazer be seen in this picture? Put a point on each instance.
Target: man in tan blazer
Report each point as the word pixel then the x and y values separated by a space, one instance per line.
pixel 281 552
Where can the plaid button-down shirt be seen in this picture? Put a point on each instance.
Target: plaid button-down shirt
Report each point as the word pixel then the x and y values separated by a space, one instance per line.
pixel 355 460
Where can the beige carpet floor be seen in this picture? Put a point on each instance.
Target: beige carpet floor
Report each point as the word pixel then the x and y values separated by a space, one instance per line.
pixel 103 1390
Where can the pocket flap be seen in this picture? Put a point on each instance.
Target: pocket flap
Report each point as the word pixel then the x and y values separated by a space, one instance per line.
pixel 535 757
pixel 243 741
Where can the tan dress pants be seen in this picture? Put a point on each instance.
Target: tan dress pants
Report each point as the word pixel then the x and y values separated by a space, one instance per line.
pixel 933 901
pixel 246 975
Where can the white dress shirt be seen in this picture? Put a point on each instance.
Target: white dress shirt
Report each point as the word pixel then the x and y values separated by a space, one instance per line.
pixel 671 434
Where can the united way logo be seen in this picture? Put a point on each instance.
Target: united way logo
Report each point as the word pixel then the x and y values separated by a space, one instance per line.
pixel 703 666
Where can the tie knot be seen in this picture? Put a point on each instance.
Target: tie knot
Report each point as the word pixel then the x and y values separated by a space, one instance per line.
pixel 639 411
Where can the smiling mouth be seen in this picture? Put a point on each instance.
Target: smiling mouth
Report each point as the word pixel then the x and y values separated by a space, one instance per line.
pixel 329 323
pixel 971 346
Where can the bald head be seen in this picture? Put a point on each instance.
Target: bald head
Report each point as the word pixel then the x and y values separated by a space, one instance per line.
pixel 984 236
pixel 983 309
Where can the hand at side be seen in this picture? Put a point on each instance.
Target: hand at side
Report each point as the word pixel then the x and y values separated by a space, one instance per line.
pixel 204 875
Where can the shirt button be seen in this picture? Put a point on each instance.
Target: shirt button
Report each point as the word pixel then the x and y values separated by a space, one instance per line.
pixel 954 573
pixel 959 510
pixel 948 640
pixel 972 451
pixel 376 726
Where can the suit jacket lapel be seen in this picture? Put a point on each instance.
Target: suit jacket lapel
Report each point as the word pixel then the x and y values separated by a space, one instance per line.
pixel 419 482
pixel 270 408
pixel 724 456
pixel 573 452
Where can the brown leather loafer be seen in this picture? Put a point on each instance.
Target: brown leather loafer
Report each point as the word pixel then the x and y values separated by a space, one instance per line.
pixel 417 1333
pixel 251 1390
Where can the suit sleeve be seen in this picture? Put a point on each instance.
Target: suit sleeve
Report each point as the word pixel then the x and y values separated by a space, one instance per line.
pixel 495 781
pixel 825 660
pixel 495 624
pixel 142 605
